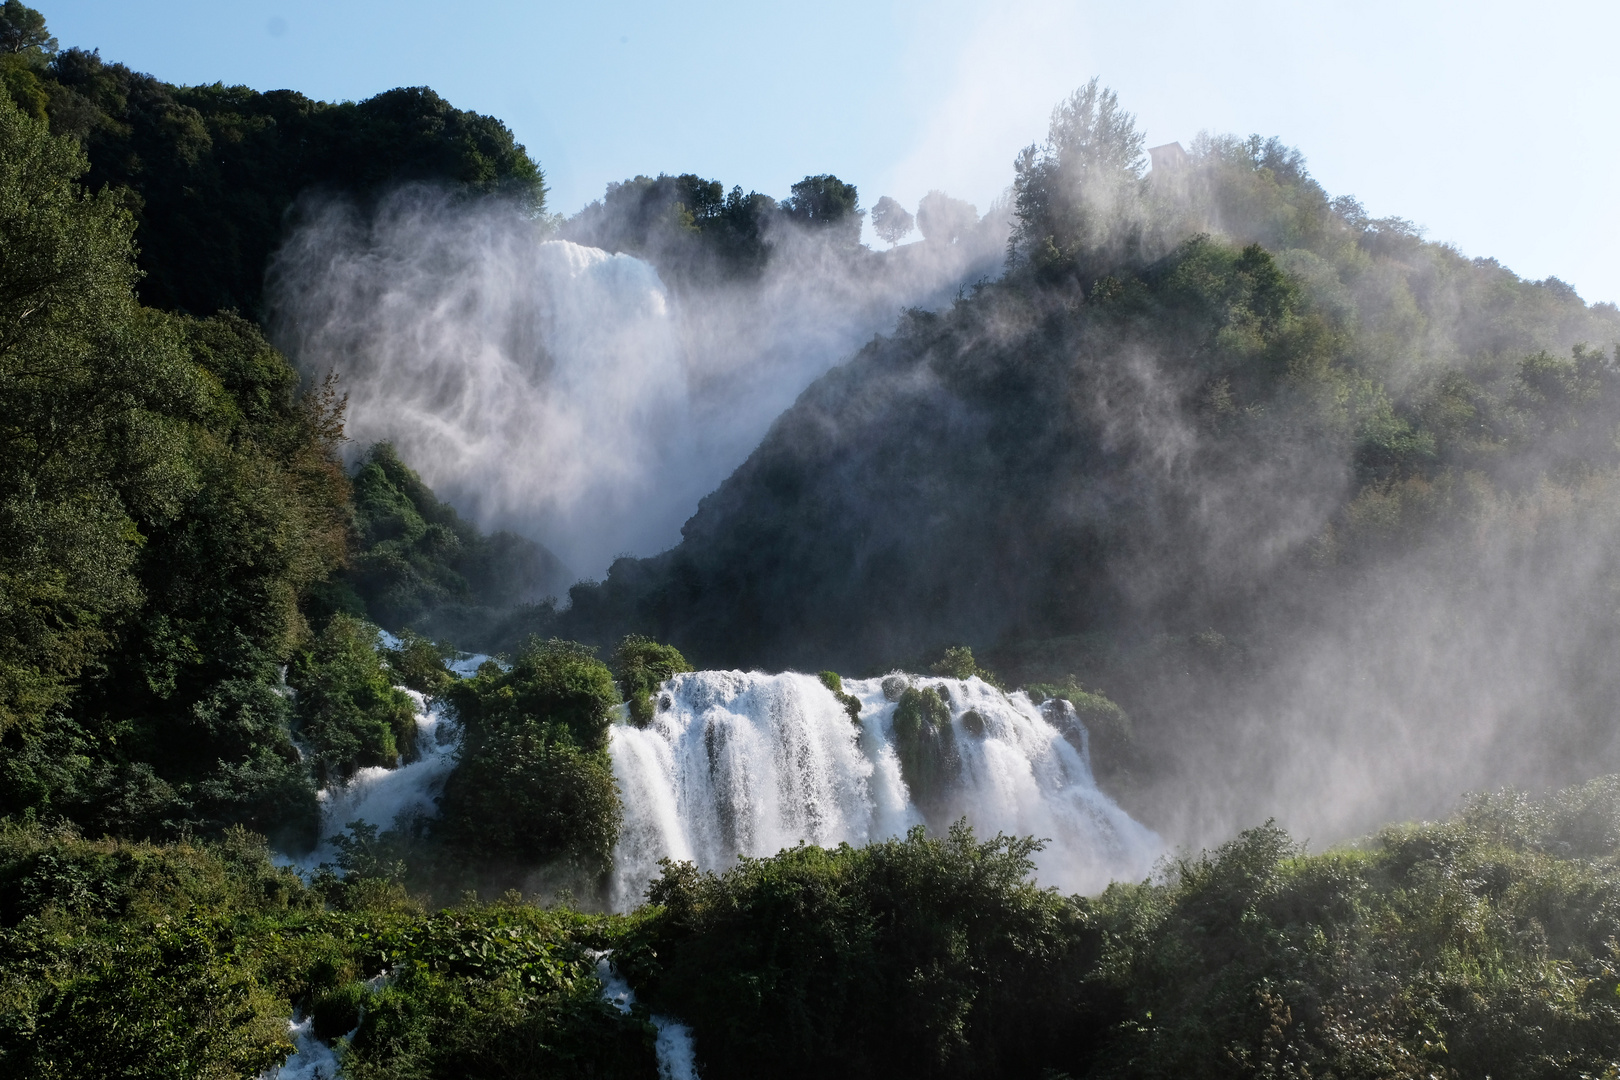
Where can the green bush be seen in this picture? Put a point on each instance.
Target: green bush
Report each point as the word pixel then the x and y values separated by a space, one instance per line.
pixel 852 704
pixel 909 957
pixel 419 664
pixel 641 665
pixel 532 783
pixel 958 663
pixel 350 714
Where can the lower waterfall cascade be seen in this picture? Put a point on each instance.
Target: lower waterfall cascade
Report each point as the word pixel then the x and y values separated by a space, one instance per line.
pixel 745 764
pixel 740 763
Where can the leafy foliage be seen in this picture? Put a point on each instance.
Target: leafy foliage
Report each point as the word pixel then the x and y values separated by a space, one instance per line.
pixel 852 704
pixel 907 956
pixel 532 784
pixel 419 565
pixel 210 171
pixel 168 496
pixel 691 228
pixel 122 959
pixel 350 714
pixel 826 202
pixel 641 666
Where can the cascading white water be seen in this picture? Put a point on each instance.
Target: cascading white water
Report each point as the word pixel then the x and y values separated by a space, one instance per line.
pixel 742 763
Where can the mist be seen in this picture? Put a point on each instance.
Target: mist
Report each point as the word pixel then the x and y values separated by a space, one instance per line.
pixel 560 391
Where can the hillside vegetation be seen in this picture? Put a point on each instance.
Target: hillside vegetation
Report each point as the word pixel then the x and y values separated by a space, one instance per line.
pixel 1479 946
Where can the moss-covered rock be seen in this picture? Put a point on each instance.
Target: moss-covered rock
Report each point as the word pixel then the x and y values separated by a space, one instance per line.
pixel 852 704
pixel 641 665
pixel 926 746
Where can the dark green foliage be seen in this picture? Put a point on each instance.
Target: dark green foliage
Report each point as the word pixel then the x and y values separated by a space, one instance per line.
pixel 641 666
pixel 852 704
pixel 909 957
pixel 23 33
pixel 418 564
pixel 1068 193
pixel 350 715
pixel 511 1001
pixel 1478 946
pixel 1470 948
pixel 532 784
pixel 957 663
pixel 167 496
pixel 691 228
pixel 124 959
pixel 826 202
pixel 211 171
pixel 419 664
pixel 926 746
pixel 79 368
pixel 1453 950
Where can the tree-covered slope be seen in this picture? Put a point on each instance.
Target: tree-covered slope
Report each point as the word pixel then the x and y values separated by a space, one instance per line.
pixel 1299 489
pixel 1188 389
pixel 181 553
pixel 210 172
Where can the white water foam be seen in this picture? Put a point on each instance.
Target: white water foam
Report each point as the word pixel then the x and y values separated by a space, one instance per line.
pixel 384 796
pixel 741 763
pixel 311 1060
pixel 677 1059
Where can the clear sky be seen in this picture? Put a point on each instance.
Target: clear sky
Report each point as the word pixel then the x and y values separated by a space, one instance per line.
pixel 1492 125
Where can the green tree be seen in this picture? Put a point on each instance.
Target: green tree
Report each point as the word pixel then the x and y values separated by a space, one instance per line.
pixel 942 219
pixel 350 714
pixel 1072 192
pixel 826 202
pixel 80 370
pixel 891 221
pixel 23 33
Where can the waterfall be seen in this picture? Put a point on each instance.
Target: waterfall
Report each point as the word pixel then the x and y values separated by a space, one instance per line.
pixel 741 763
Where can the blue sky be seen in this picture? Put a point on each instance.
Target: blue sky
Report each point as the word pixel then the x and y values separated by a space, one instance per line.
pixel 1493 125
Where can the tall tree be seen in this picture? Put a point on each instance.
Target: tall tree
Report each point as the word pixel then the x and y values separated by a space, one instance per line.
pixel 826 202
pixel 1070 193
pixel 891 221
pixel 23 33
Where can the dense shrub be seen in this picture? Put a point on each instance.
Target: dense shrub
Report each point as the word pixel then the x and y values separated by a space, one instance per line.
pixel 419 564
pixel 419 664
pixel 186 961
pixel 532 783
pixel 641 666
pixel 852 704
pixel 909 957
pixel 350 714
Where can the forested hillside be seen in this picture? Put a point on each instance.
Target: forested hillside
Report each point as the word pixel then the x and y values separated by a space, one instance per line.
pixel 183 553
pixel 208 172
